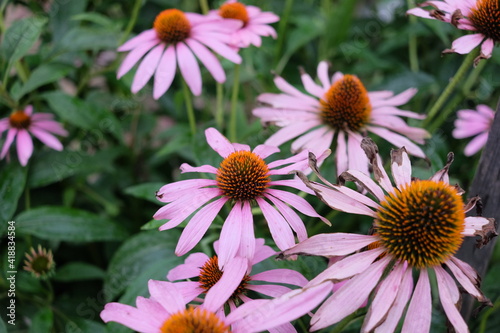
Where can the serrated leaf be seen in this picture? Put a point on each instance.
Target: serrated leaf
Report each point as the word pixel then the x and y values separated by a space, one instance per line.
pixel 20 37
pixel 145 191
pixel 12 182
pixel 42 322
pixel 142 252
pixel 79 271
pixel 52 166
pixel 42 75
pixel 67 224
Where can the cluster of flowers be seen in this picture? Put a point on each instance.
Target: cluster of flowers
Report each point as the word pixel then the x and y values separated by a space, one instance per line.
pixel 418 225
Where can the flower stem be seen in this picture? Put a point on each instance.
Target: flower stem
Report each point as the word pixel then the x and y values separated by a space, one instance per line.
pixel 189 107
pixel 219 108
pixel 204 7
pixel 131 22
pixel 234 104
pixel 412 44
pixel 450 87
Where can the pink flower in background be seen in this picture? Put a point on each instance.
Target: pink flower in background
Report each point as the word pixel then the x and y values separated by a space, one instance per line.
pixel 418 224
pixel 175 40
pixel 339 107
pixel 21 123
pixel 255 23
pixel 474 123
pixel 479 16
pixel 234 281
pixel 165 311
pixel 243 178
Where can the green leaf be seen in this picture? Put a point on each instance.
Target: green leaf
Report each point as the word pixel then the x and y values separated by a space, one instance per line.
pixel 80 325
pixel 3 327
pixel 42 322
pixel 67 224
pixel 52 166
pixel 61 13
pixel 94 18
pixel 145 191
pixel 79 271
pixel 12 182
pixel 42 75
pixel 142 252
pixel 20 37
pixel 153 225
pixel 87 38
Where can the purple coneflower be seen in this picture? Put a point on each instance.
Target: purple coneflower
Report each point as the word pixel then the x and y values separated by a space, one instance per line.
pixel 243 178
pixel 341 107
pixel 474 123
pixel 21 123
pixel 176 38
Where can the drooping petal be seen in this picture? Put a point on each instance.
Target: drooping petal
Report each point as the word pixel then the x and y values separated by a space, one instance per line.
pixel 291 217
pixel 476 144
pixel 230 236
pixel 24 145
pixel 418 316
pixel 134 56
pixel 47 138
pixel 177 190
pixel 280 230
pixel 165 72
pixel 296 202
pixel 471 285
pixel 281 275
pixel 140 39
pixel 11 134
pixel 208 59
pixel 401 167
pixel 147 68
pixel 128 316
pixel 449 297
pixel 247 243
pixel 189 68
pixel 467 43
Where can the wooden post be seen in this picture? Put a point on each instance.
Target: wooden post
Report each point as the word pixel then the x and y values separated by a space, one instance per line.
pixel 486 185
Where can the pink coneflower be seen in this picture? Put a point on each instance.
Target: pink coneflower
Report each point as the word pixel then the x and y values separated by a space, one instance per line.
pixel 418 225
pixel 480 16
pixel 243 178
pixel 255 23
pixel 176 38
pixel 471 123
pixel 235 280
pixel 341 107
pixel 166 311
pixel 21 123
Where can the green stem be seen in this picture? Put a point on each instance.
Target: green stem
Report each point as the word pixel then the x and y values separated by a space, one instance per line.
pixel 22 71
pixel 234 104
pixel 219 108
pixel 131 22
pixel 465 91
pixel 27 198
pixel 189 107
pixel 412 45
pixel 450 87
pixel 281 30
pixel 204 6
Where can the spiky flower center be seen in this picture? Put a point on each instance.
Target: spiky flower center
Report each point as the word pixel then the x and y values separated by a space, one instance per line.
pixel 422 223
pixel 194 320
pixel 485 17
pixel 172 26
pixel 210 274
pixel 19 119
pixel 235 10
pixel 346 105
pixel 243 175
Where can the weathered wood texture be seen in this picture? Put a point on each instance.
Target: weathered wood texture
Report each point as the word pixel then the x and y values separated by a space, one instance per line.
pixel 486 184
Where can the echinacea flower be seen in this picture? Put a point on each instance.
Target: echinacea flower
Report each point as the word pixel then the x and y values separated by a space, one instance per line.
pixel 166 311
pixel 40 263
pixel 235 280
pixel 21 123
pixel 175 40
pixel 479 16
pixel 418 226
pixel 341 107
pixel 474 123
pixel 255 23
pixel 243 178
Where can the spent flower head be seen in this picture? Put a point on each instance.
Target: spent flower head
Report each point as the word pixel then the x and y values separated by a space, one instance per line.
pixel 40 263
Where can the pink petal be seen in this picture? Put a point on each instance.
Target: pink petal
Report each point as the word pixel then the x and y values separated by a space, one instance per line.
pixel 29 110
pixel 230 236
pixel 24 145
pixel 204 168
pixel 291 217
pixel 208 59
pixel 198 226
pixel 357 157
pixel 418 316
pixel 4 124
pixel 281 275
pixel 11 134
pixel 176 190
pixel 261 315
pixel 139 40
pixel 341 153
pixel 147 68
pixel 393 111
pixel 399 99
pixel 247 243
pixel 397 140
pixel 350 297
pixel 220 48
pixel 240 147
pixel 262 252
pixel 128 316
pixel 283 101
pixel 189 68
pixel 189 290
pixel 47 138
pixel 337 244
pixel 311 86
pixel 287 88
pixel 264 151
pixel 311 140
pixel 165 72
pixel 289 132
pixel 401 167
pixel 50 126
pixel 476 144
pixel 360 197
pixel 469 284
pixel 190 269
pixel 323 75
pixel 134 56
pixel 280 230
pixel 466 43
pixel 167 295
pixel 474 224
pixel 269 290
pixel 218 142
pixel 368 184
pixel 219 293
pixel 450 297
